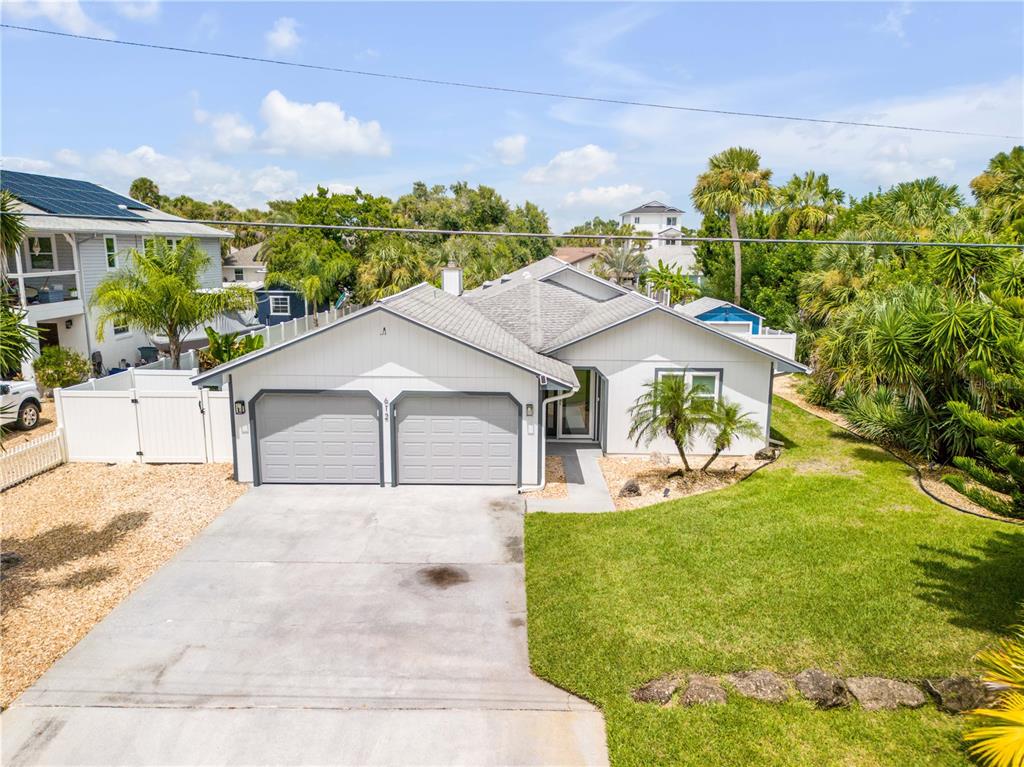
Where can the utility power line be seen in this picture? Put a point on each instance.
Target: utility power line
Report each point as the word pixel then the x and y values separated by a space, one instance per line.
pixel 501 89
pixel 533 235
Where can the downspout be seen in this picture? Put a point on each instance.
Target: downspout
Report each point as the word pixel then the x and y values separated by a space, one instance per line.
pixel 544 442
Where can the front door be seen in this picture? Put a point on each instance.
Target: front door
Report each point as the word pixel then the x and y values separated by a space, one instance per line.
pixel 576 416
pixel 48 335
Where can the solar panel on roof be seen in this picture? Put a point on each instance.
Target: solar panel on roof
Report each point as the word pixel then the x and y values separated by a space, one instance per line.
pixel 69 197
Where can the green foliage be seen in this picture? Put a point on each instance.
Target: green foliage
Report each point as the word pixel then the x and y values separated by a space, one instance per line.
pixel 596 225
pixel 806 204
pixel 313 265
pixel 997 469
pixel 159 292
pixel 12 224
pixel 669 408
pixel 1000 192
pixel 60 366
pixel 394 264
pixel 225 347
pixel 664 277
pixel 620 262
pixel 17 339
pixel 726 423
pixel 998 738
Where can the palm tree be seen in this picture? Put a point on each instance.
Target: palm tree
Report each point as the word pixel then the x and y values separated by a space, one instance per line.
pixel 669 408
pixel 805 204
pixel 159 292
pixel 12 227
pixel 393 265
pixel 733 184
pixel 912 209
pixel 672 279
pixel 998 740
pixel 620 262
pixel 18 339
pixel 728 423
pixel 1000 189
pixel 316 271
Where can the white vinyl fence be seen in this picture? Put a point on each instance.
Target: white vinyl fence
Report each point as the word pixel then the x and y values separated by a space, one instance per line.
pixel 24 461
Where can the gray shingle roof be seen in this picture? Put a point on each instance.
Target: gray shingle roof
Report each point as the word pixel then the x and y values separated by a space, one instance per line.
pixel 534 312
pixel 244 256
pixel 460 319
pixel 601 315
pixel 654 206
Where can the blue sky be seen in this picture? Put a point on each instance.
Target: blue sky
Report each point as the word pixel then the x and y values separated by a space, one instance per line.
pixel 247 132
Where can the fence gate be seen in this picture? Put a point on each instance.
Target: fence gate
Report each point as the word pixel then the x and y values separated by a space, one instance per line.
pixel 171 427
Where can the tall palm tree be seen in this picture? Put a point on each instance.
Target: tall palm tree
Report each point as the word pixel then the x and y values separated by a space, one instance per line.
pixel 912 209
pixel 805 204
pixel 672 279
pixel 733 184
pixel 12 228
pixel 159 292
pixel 316 271
pixel 392 265
pixel 1000 189
pixel 668 408
pixel 620 262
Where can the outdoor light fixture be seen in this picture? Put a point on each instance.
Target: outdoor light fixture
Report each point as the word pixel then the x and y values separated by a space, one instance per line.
pixel 239 407
pixel 529 409
pixel 68 323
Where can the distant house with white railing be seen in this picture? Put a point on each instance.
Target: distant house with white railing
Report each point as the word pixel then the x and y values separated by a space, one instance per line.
pixel 663 222
pixel 741 322
pixel 84 235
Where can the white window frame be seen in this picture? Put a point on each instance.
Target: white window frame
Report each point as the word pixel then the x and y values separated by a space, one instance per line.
pixel 53 253
pixel 636 219
pixel 122 330
pixel 238 274
pixel 671 220
pixel 689 373
pixel 288 306
pixel 171 241
pixel 107 254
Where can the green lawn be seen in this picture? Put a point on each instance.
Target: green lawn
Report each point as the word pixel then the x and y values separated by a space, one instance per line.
pixel 831 557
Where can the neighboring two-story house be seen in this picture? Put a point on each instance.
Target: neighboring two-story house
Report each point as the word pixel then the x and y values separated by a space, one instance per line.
pixel 655 219
pixel 86 234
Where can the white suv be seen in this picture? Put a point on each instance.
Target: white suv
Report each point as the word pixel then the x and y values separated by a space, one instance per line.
pixel 19 403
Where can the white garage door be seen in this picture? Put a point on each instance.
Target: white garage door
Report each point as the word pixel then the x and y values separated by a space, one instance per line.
pixel 465 439
pixel 306 438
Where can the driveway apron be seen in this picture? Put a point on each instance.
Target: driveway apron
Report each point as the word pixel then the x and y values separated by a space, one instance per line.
pixel 318 625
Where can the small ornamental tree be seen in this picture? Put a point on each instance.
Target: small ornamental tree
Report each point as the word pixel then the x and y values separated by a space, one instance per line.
pixel 727 423
pixel 669 408
pixel 998 465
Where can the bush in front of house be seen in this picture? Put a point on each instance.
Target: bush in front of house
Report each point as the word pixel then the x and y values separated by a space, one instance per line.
pixel 57 366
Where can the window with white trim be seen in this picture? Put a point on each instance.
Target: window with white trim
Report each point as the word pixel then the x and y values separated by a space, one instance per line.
pixel 671 220
pixel 110 245
pixel 120 330
pixel 40 253
pixel 706 384
pixel 670 242
pixel 636 219
pixel 280 305
pixel 239 275
pixel 172 242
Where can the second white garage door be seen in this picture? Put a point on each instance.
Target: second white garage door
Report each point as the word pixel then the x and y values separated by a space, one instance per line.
pixel 463 439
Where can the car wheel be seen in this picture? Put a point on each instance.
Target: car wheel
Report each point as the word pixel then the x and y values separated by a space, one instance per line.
pixel 28 416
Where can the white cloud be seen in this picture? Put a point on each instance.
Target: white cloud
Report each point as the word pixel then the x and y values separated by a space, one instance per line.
pixel 25 164
pixel 68 157
pixel 284 35
pixel 340 187
pixel 511 149
pixel 67 15
pixel 604 196
pixel 892 24
pixel 318 129
pixel 138 10
pixel 573 166
pixel 231 132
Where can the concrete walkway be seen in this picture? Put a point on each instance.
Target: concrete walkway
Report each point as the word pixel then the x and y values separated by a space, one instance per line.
pixel 588 492
pixel 318 625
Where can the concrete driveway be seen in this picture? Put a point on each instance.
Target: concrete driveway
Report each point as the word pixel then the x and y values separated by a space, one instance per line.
pixel 318 625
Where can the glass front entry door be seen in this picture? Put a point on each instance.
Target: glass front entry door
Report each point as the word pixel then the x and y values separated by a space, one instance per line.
pixel 575 415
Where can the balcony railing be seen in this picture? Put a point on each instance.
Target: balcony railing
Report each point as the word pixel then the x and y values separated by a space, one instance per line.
pixel 43 289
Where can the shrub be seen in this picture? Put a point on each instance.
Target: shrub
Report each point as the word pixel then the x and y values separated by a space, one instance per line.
pixel 57 366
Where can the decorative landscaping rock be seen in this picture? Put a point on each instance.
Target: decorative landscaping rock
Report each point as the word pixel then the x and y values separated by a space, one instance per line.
pixel 702 691
pixel 959 693
pixel 824 690
pixel 766 686
pixel 767 454
pixel 658 690
pixel 875 693
pixel 630 490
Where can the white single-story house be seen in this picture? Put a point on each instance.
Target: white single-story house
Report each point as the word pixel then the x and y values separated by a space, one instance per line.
pixel 441 386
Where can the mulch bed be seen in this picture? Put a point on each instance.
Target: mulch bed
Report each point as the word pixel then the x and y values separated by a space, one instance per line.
pixel 78 539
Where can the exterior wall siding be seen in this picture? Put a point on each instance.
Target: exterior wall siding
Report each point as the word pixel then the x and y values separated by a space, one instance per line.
pixel 384 355
pixel 630 355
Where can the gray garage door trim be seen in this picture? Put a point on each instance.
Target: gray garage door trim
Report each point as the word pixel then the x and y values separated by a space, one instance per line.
pixel 396 479
pixel 360 393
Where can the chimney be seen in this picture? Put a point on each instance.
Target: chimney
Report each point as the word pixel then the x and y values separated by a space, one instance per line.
pixel 451 279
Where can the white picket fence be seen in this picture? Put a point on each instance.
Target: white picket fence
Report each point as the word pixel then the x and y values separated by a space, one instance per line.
pixel 25 461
